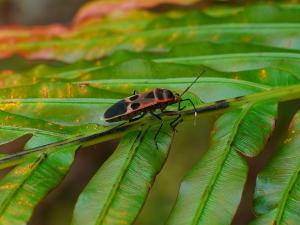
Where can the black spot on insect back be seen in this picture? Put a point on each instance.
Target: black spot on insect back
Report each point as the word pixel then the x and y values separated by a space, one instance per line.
pixel 134 97
pixel 116 109
pixel 135 105
pixel 150 95
pixel 159 94
pixel 168 94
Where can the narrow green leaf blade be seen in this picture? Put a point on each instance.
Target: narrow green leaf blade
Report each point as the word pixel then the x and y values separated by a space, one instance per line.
pixel 277 193
pixel 215 184
pixel 255 129
pixel 23 188
pixel 117 192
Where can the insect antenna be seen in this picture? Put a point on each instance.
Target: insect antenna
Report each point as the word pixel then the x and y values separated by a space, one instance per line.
pixel 203 71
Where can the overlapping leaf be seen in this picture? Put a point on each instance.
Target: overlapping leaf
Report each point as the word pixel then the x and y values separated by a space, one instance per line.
pixel 133 168
pixel 56 101
pixel 22 113
pixel 277 193
pixel 24 187
pixel 90 42
pixel 98 9
pixel 216 182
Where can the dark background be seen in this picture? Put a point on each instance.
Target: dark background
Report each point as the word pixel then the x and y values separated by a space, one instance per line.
pixel 38 12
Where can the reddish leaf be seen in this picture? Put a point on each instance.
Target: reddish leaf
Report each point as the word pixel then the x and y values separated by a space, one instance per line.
pixel 98 9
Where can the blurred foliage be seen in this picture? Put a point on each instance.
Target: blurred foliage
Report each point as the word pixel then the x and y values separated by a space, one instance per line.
pixel 56 82
pixel 31 12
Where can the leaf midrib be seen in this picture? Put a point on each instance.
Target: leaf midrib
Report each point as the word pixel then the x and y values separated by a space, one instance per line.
pixel 282 206
pixel 12 194
pixel 210 57
pixel 212 183
pixel 232 56
pixel 275 94
pixel 174 81
pixel 135 82
pixel 59 100
pixel 37 131
pixel 116 185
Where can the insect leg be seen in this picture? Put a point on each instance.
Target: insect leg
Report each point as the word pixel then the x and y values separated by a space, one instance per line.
pixel 188 99
pixel 135 92
pixel 195 110
pixel 179 108
pixel 161 124
pixel 176 121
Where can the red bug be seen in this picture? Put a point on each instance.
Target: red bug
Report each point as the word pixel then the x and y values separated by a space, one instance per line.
pixel 138 105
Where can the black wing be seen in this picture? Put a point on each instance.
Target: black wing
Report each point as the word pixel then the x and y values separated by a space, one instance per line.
pixel 116 109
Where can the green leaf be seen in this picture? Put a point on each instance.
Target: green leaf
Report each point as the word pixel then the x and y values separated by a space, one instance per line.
pixel 83 114
pixel 250 50
pixel 118 190
pixel 267 68
pixel 216 182
pixel 277 192
pixel 148 31
pixel 23 187
pixel 275 94
pixel 261 67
